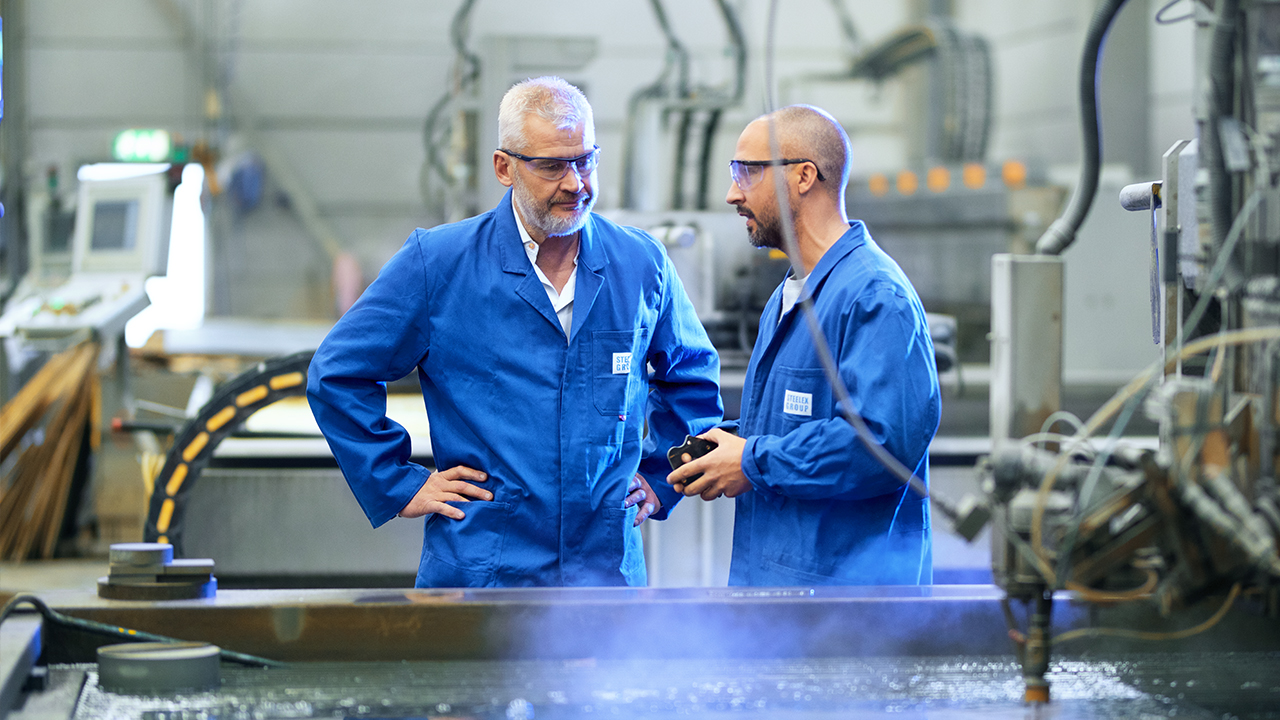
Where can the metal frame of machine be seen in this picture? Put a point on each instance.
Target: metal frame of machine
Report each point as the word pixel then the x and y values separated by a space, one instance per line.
pixel 1199 517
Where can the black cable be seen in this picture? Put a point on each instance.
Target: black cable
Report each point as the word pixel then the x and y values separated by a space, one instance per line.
pixel 820 345
pixel 847 27
pixel 657 89
pixel 638 98
pixel 683 129
pixel 465 71
pixel 1162 20
pixel 1221 93
pixel 704 160
pixel 429 133
pixel 123 634
pixel 1062 232
pixel 459 29
pixel 738 43
pixel 674 46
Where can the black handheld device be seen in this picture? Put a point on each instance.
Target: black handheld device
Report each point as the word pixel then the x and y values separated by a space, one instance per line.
pixel 694 447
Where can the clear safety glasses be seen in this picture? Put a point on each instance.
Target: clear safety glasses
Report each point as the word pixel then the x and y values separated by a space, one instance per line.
pixel 553 168
pixel 746 173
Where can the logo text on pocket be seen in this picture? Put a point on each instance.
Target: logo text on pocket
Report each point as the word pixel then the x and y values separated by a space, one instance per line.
pixel 797 403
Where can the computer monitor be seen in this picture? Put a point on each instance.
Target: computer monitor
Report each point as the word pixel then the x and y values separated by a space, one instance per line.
pixel 120 222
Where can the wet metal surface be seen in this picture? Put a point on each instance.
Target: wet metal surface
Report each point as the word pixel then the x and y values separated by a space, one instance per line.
pixel 1206 685
pixel 547 624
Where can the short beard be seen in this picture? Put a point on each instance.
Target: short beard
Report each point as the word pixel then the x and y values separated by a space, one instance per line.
pixel 767 233
pixel 542 219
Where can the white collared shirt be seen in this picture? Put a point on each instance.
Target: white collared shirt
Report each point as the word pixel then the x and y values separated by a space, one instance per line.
pixel 561 301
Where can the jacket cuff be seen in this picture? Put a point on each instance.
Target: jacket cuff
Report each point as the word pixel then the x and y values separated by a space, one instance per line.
pixel 667 495
pixel 751 468
pixel 395 501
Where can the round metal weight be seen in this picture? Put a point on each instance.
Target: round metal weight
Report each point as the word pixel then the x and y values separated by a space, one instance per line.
pixel 156 590
pixel 141 554
pixel 158 668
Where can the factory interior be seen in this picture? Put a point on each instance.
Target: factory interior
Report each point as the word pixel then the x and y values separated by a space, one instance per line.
pixel 1085 194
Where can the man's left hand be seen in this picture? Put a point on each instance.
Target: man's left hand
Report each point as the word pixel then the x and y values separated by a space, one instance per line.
pixel 640 492
pixel 721 469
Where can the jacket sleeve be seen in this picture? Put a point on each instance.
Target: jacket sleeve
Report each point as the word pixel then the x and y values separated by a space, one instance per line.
pixel 380 339
pixel 684 397
pixel 885 358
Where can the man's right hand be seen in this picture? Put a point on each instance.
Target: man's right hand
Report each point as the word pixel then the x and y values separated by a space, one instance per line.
pixel 445 486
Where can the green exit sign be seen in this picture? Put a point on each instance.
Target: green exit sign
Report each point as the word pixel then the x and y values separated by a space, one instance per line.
pixel 142 146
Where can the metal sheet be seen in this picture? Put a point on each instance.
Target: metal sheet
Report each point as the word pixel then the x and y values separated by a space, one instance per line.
pixel 1204 686
pixel 547 623
pixel 940 652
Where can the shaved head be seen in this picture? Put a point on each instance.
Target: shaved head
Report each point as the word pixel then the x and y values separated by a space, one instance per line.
pixel 805 131
pixel 808 139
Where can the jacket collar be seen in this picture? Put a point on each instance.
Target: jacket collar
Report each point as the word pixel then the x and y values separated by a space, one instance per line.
pixel 513 257
pixel 853 238
pixel 774 328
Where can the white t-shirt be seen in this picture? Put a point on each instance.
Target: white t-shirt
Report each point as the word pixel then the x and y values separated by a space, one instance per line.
pixel 791 288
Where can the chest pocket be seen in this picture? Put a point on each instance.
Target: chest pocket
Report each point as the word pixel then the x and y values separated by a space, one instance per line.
pixel 795 396
pixel 617 371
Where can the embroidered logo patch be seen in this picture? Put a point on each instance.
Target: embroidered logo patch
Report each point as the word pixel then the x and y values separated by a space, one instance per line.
pixel 797 403
pixel 621 363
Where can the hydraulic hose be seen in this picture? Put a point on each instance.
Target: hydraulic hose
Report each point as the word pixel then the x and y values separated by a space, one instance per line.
pixel 1221 91
pixel 1062 232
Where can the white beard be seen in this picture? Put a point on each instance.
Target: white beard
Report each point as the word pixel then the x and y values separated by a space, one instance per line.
pixel 541 219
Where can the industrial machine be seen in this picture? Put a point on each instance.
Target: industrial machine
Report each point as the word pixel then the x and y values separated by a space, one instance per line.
pixel 87 279
pixel 587 652
pixel 1099 539
pixel 1198 517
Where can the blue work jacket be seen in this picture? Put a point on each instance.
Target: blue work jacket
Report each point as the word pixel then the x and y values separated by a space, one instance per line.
pixel 559 424
pixel 822 509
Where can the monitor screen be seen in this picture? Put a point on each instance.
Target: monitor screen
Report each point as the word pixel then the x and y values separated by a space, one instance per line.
pixel 115 225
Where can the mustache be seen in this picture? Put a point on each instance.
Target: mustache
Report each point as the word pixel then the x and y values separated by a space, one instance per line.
pixel 570 198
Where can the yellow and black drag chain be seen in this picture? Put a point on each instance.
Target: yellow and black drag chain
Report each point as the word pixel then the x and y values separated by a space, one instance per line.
pixel 234 402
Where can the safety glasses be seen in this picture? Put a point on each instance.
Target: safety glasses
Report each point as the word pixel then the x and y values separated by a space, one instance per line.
pixel 553 168
pixel 746 173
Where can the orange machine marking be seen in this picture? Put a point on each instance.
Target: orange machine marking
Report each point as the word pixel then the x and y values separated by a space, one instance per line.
pixel 192 450
pixel 287 380
pixel 175 482
pixel 249 397
pixel 224 416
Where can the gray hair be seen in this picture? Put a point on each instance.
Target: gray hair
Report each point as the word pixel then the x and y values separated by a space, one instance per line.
pixel 550 98
pixel 808 131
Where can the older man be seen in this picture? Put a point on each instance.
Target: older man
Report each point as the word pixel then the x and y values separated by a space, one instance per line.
pixel 813 505
pixel 547 340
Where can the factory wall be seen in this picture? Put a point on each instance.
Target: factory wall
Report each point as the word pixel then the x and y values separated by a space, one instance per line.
pixel 339 93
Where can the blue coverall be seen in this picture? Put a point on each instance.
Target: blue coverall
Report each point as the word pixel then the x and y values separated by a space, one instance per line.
pixel 558 424
pixel 822 510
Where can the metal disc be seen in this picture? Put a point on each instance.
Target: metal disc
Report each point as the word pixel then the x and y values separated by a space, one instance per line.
pixel 158 668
